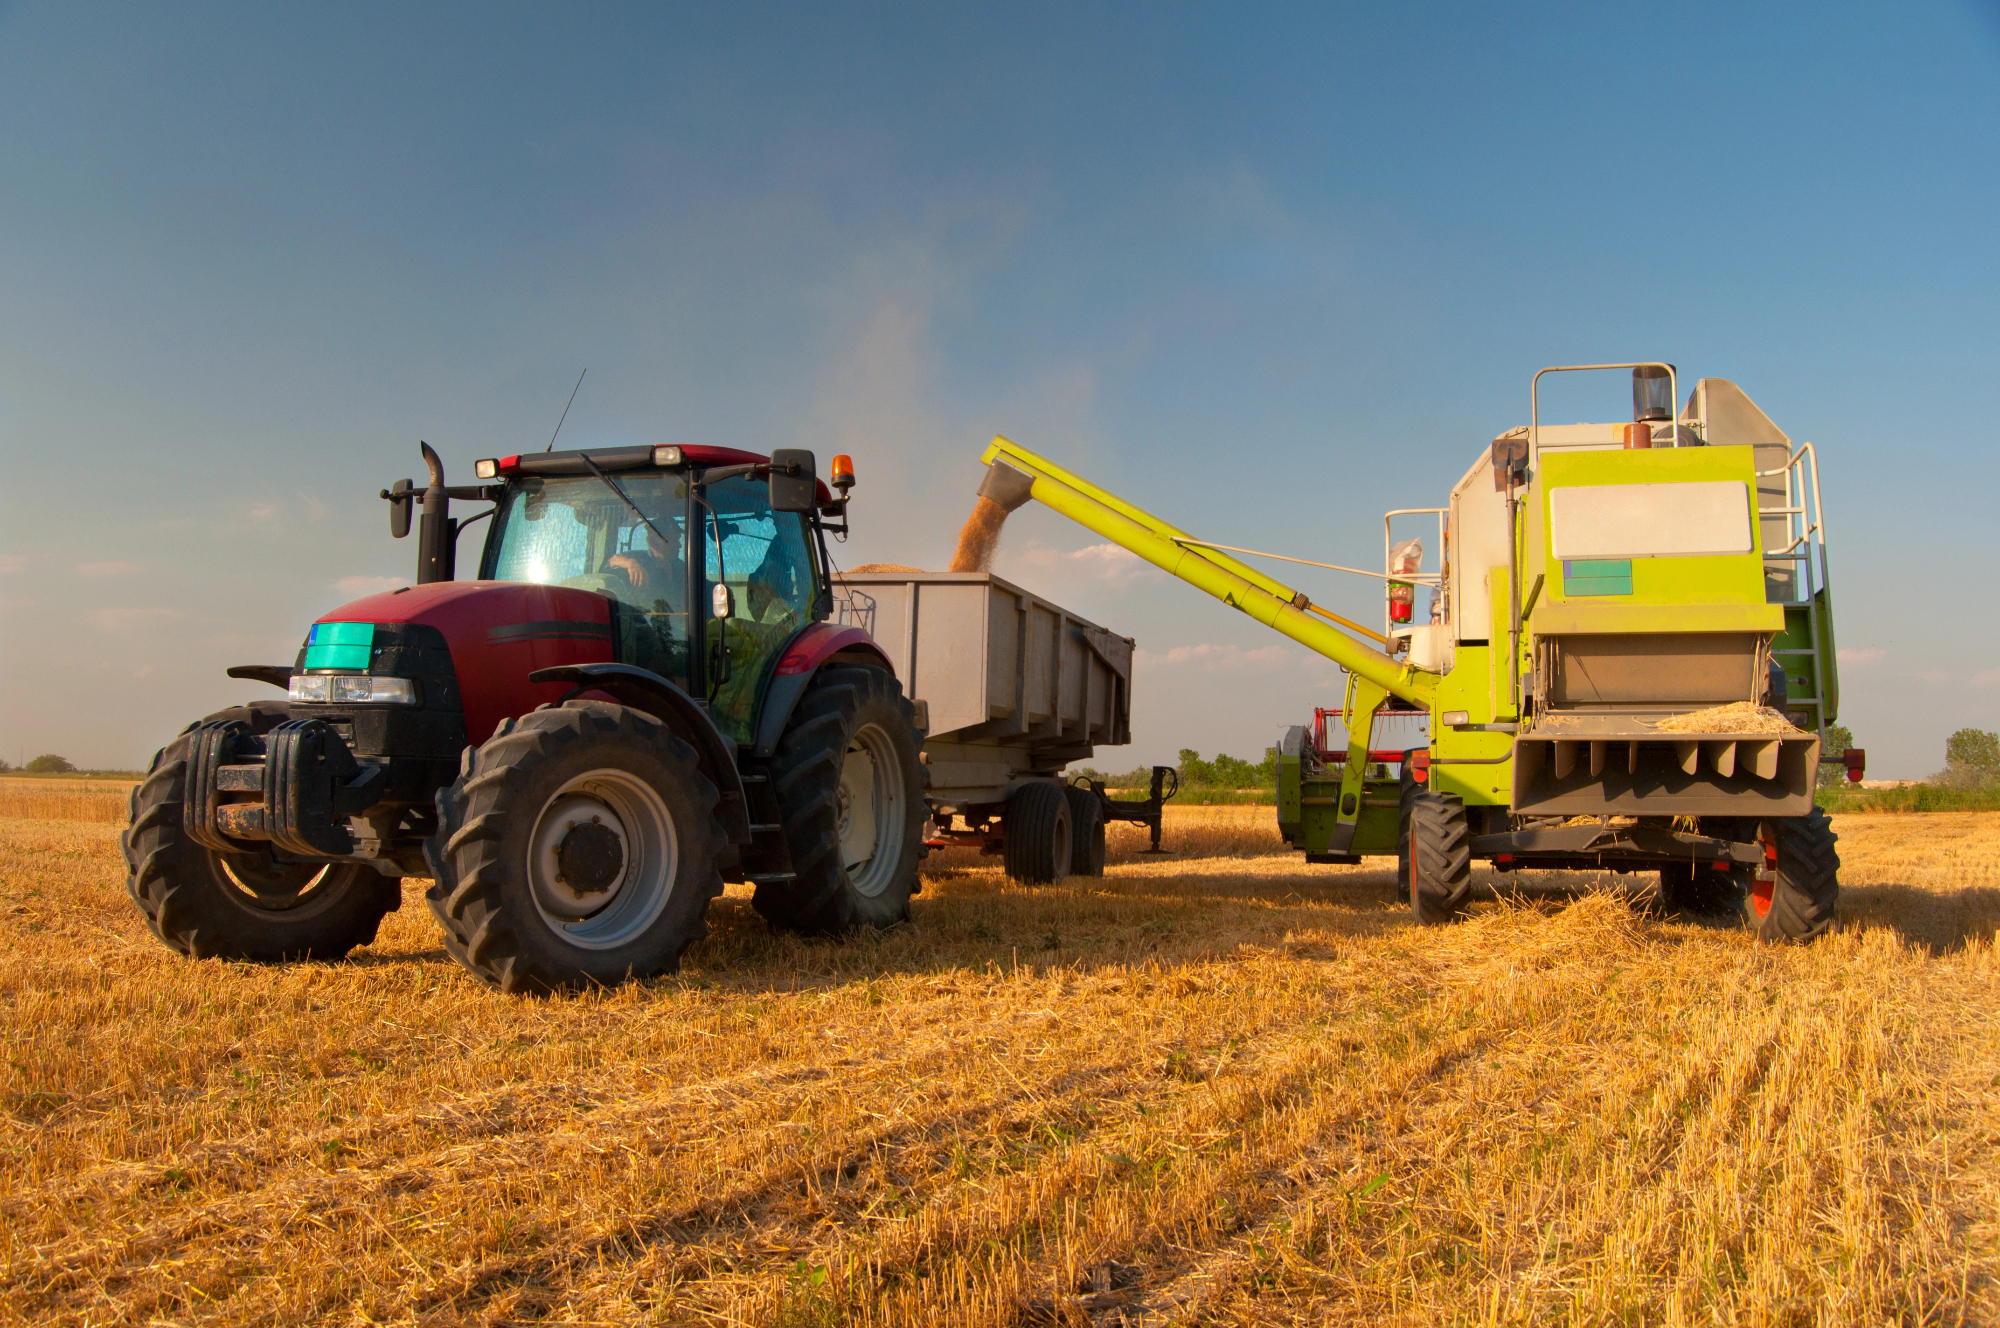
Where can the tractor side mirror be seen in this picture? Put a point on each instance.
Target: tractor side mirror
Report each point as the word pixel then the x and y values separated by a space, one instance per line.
pixel 794 487
pixel 400 498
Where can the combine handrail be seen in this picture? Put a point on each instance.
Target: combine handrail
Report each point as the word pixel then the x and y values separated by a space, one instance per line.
pixel 1236 584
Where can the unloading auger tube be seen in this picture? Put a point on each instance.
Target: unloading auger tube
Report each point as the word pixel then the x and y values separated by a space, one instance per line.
pixel 1014 475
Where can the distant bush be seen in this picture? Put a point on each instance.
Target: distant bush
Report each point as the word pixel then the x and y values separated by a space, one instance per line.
pixel 49 764
pixel 1929 796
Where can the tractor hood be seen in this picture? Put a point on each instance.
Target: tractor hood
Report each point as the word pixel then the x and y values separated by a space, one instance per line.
pixel 498 632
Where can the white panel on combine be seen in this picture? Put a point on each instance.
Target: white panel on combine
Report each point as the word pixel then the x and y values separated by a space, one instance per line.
pixel 1650 520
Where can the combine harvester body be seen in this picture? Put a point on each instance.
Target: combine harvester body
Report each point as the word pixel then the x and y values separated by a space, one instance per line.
pixel 1596 586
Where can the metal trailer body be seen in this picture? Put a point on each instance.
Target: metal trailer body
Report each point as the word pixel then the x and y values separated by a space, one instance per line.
pixel 1014 687
pixel 1011 687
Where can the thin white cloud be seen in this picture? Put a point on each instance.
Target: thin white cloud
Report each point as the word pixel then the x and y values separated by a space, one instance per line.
pixel 1103 564
pixel 1860 658
pixel 1986 678
pixel 12 562
pixel 1208 658
pixel 120 620
pixel 108 569
pixel 369 585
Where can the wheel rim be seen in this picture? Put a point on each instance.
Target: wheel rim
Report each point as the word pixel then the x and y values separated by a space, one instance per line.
pixel 873 804
pixel 263 883
pixel 602 859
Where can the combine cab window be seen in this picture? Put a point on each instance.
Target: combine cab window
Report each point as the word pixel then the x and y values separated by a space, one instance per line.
pixel 576 532
pixel 764 559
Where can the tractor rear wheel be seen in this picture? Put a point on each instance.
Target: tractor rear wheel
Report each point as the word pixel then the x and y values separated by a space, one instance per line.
pixel 1041 843
pixel 850 793
pixel 1437 844
pixel 1086 831
pixel 578 847
pixel 1793 899
pixel 247 905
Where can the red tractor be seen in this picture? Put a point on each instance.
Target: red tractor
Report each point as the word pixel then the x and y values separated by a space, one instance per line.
pixel 639 698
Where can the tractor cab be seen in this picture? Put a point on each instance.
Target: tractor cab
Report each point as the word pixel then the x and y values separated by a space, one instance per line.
pixel 710 569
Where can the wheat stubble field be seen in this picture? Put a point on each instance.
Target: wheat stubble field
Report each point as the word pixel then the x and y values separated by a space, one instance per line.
pixel 1222 1087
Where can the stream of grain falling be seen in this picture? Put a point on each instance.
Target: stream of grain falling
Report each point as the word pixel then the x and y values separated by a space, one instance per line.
pixel 979 537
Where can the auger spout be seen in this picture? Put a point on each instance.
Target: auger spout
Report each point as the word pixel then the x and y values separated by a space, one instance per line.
pixel 1236 584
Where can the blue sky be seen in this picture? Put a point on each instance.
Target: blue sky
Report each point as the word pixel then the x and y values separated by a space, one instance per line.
pixel 1268 270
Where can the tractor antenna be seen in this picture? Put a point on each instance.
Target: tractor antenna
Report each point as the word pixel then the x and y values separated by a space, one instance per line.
pixel 566 406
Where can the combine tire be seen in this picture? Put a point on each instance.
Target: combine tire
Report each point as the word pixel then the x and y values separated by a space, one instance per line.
pixel 850 794
pixel 1086 832
pixel 1795 903
pixel 1041 834
pixel 210 905
pixel 1437 850
pixel 578 847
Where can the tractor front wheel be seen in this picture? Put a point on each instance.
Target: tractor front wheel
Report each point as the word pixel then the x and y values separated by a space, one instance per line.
pixel 850 793
pixel 1792 896
pixel 578 847
pixel 247 905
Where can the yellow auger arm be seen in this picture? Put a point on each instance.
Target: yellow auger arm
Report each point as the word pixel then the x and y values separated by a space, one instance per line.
pixel 1175 551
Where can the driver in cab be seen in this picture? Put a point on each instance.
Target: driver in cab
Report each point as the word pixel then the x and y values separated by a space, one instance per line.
pixel 656 571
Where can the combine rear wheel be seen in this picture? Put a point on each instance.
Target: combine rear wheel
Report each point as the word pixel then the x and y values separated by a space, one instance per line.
pixel 578 847
pixel 850 794
pixel 247 905
pixel 1041 833
pixel 1792 898
pixel 1436 851
pixel 1086 830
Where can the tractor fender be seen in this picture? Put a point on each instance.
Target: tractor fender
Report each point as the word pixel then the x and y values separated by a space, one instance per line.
pixel 818 644
pixel 641 689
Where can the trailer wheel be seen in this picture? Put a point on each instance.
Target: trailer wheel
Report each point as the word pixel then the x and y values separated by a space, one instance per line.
pixel 1086 831
pixel 210 905
pixel 850 793
pixel 1041 836
pixel 578 847
pixel 1795 902
pixel 1437 842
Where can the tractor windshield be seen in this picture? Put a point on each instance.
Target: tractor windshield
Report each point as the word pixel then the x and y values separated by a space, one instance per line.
pixel 578 532
pixel 765 560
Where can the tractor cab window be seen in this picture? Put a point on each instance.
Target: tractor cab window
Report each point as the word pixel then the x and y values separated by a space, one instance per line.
pixel 763 557
pixel 577 532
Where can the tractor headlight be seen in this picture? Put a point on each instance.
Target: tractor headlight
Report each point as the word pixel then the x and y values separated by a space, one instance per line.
pixel 351 689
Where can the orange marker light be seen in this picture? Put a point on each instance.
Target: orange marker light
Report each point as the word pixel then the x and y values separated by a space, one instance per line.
pixel 843 472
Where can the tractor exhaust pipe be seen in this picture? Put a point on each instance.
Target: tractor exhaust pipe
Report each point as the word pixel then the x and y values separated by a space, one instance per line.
pixel 437 533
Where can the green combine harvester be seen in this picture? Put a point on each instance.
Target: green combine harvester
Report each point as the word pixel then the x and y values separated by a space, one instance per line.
pixel 1628 662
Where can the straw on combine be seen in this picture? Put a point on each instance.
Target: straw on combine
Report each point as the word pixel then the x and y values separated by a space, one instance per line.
pixel 1736 717
pixel 884 567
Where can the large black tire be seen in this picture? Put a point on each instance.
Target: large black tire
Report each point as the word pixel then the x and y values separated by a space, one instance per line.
pixel 1437 842
pixel 536 800
pixel 850 793
pixel 1041 836
pixel 211 905
pixel 1796 902
pixel 1086 832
